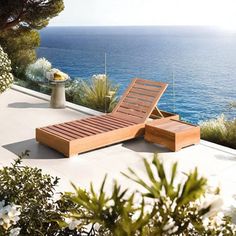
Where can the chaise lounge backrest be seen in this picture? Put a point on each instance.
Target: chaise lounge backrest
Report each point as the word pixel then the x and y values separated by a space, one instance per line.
pixel 139 100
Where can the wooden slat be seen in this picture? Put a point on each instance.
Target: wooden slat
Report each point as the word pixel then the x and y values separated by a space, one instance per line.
pixel 120 119
pixel 134 107
pixel 137 120
pixel 73 136
pixel 110 123
pixel 170 124
pixel 113 121
pixel 79 130
pixel 100 120
pixel 94 125
pixel 145 104
pixel 140 96
pixel 131 112
pixel 144 92
pixel 70 130
pixel 150 82
pixel 124 95
pixel 88 127
pixel 66 131
pixel 148 88
pixel 99 123
pixel 59 134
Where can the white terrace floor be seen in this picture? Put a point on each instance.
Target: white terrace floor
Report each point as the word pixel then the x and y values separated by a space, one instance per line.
pixel 21 113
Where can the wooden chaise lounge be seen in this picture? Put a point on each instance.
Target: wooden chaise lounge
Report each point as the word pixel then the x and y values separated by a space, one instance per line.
pixel 127 121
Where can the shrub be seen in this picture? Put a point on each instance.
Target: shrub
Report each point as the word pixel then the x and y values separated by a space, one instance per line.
pixel 167 208
pixel 37 71
pixel 6 77
pixel 98 93
pixel 220 131
pixel 33 192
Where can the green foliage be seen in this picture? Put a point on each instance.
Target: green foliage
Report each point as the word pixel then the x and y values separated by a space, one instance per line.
pixel 20 46
pixel 112 214
pixel 28 14
pixel 34 192
pixel 98 93
pixel 19 22
pixel 6 77
pixel 220 131
pixel 167 208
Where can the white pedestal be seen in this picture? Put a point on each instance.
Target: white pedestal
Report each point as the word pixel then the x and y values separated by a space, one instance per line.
pixel 58 97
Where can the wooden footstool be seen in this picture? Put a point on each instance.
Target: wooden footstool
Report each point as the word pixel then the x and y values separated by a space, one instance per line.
pixel 173 134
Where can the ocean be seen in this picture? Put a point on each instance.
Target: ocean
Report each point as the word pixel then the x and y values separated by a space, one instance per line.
pixel 198 63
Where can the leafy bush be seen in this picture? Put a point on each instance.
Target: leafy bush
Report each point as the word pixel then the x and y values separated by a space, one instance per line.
pixel 220 130
pixel 6 77
pixel 33 192
pixel 37 71
pixel 166 208
pixel 98 93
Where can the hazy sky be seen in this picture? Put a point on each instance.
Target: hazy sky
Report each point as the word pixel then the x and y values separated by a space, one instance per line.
pixel 147 12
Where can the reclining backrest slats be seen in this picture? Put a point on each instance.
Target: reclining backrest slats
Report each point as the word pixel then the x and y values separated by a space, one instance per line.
pixel 139 100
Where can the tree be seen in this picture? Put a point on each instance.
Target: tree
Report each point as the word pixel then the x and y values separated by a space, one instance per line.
pixel 20 46
pixel 20 21
pixel 33 14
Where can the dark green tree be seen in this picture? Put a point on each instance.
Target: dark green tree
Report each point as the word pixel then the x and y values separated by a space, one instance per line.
pixel 19 22
pixel 33 14
pixel 20 46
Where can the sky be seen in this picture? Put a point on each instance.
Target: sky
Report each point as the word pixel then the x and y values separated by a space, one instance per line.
pixel 147 12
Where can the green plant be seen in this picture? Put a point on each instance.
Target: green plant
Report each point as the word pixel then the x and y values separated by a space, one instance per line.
pixel 20 46
pixel 108 215
pixel 20 21
pixel 28 14
pixel 98 93
pixel 220 130
pixel 167 207
pixel 182 207
pixel 33 192
pixel 6 77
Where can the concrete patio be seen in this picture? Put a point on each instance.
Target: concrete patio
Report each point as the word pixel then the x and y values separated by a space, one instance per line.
pixel 22 110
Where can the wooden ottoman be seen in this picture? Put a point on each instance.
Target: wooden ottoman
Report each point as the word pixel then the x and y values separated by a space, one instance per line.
pixel 173 134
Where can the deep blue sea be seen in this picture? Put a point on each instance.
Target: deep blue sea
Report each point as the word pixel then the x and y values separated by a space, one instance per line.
pixel 198 63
